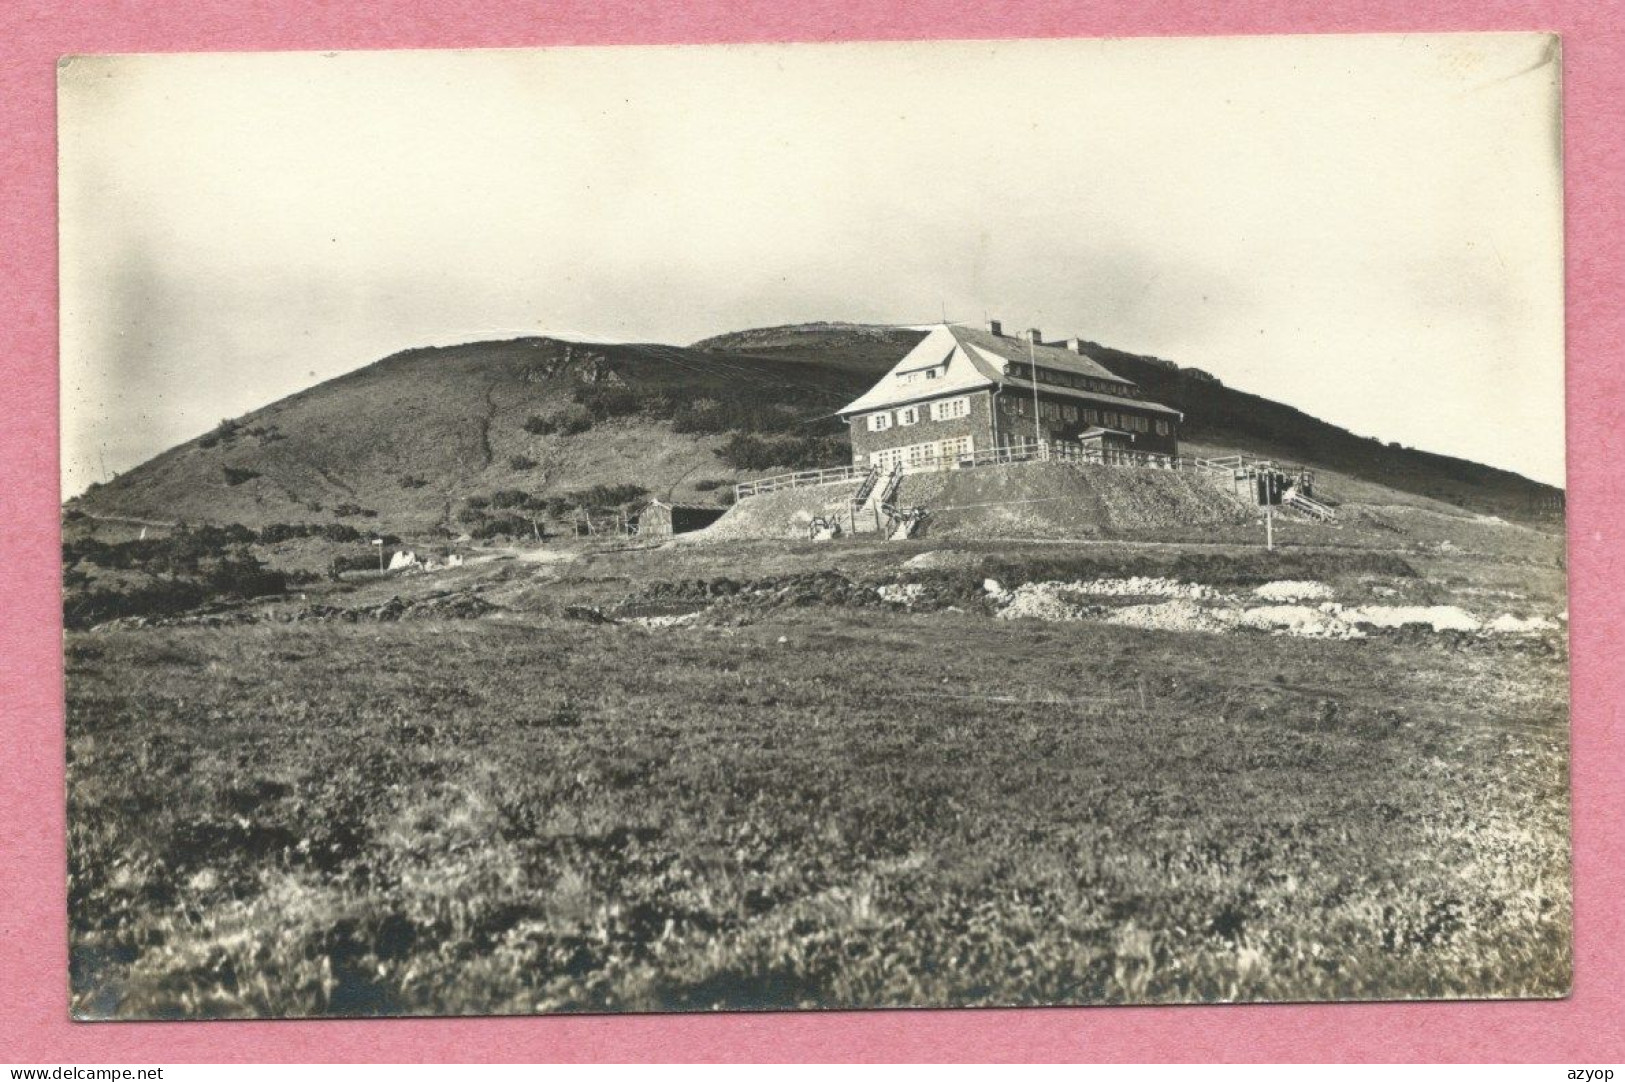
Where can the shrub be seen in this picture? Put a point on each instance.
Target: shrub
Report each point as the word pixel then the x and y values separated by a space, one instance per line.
pixel 506 526
pixel 412 481
pixel 540 426
pixel 224 432
pixel 341 532
pixel 235 475
pixel 506 498
pixel 745 451
pixel 707 486
pixel 600 497
pixel 521 462
pixel 160 597
pixel 240 575
pixel 232 574
pixel 602 403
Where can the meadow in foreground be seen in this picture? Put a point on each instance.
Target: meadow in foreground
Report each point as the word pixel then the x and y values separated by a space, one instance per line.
pixel 822 808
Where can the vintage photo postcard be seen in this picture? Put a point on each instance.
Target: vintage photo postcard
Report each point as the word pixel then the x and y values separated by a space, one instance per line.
pixel 814 526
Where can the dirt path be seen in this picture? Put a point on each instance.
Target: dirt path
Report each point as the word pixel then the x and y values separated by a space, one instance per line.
pixel 129 520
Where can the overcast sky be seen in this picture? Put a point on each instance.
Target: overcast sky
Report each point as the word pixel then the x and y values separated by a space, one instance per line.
pixel 1366 228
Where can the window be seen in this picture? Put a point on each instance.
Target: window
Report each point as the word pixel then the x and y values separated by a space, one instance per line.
pixel 931 455
pixel 1070 413
pixel 886 459
pixel 1021 407
pixel 908 415
pixel 1091 417
pixel 933 373
pixel 1163 428
pixel 879 422
pixel 949 408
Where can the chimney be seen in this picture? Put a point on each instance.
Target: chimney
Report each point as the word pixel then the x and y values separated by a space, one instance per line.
pixel 1035 336
pixel 995 328
pixel 1075 345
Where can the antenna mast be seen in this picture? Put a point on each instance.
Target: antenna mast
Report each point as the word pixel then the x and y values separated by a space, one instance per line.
pixel 1032 362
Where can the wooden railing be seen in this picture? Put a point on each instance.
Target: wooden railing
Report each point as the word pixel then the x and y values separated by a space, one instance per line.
pixel 804 479
pixel 1235 468
pixel 1308 505
pixel 1051 451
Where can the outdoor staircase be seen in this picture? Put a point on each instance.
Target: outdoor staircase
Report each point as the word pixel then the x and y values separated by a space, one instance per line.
pixel 875 492
pixel 1310 506
pixel 869 482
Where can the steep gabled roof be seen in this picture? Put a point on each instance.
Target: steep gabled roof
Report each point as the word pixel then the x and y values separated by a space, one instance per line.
pixel 968 358
pixel 959 370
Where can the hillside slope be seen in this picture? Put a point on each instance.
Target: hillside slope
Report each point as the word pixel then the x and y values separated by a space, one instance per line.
pixel 507 437
pixel 404 444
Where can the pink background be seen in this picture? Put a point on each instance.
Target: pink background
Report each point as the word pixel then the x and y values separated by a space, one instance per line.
pixel 34 1026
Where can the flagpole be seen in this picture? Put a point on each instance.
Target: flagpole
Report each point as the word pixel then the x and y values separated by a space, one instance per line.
pixel 1032 363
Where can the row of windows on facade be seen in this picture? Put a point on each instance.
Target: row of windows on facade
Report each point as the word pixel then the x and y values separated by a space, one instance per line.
pixel 1057 378
pixel 919 455
pixel 946 409
pixel 1069 414
pixel 950 408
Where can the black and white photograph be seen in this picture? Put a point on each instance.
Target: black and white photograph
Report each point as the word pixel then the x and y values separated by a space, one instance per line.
pixel 814 526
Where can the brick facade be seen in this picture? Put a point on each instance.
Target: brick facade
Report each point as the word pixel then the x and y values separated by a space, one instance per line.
pixel 1015 424
pixel 977 424
pixel 1016 421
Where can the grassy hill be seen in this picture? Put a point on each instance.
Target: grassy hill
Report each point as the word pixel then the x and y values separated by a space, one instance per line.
pixel 451 439
pixel 508 438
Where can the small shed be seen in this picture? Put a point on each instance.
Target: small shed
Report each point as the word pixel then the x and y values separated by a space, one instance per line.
pixel 1109 439
pixel 662 519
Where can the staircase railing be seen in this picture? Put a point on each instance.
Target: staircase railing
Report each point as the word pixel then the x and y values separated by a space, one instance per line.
pixel 888 485
pixel 862 494
pixel 1308 505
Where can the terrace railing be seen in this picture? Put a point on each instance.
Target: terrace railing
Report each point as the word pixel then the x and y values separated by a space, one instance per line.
pixel 1234 468
pixel 804 479
pixel 1052 451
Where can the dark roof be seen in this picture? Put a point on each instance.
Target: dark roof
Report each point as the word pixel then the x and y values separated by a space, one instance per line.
pixel 685 506
pixel 1095 396
pixel 1016 350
